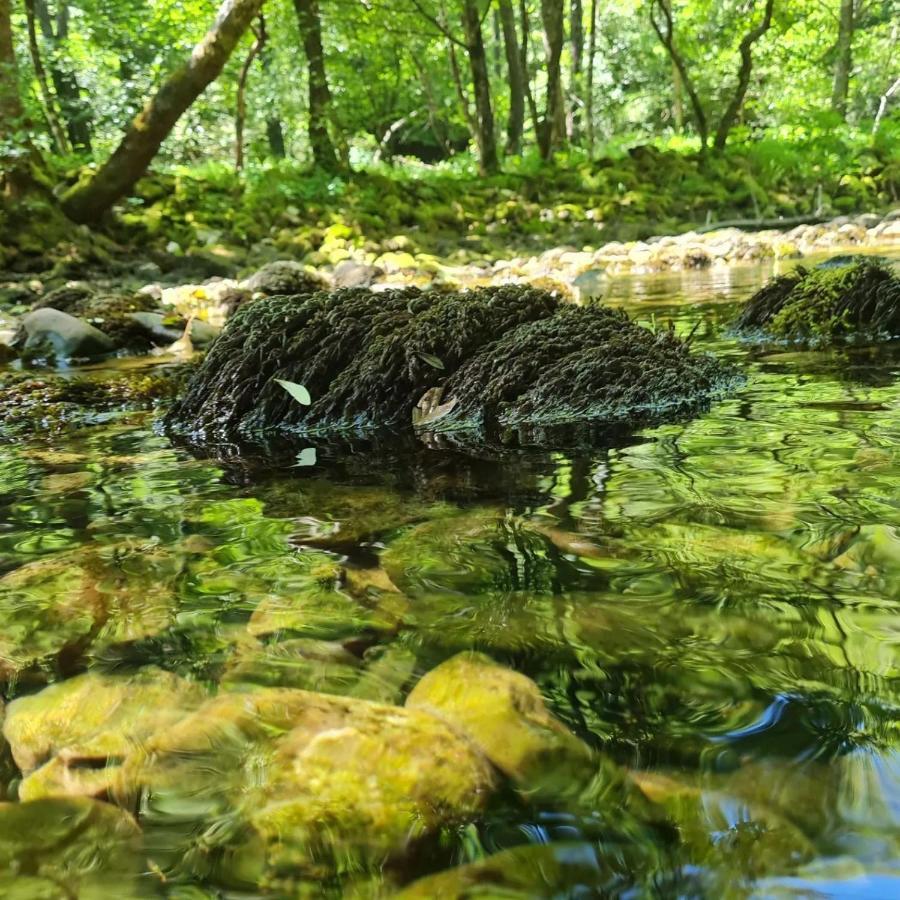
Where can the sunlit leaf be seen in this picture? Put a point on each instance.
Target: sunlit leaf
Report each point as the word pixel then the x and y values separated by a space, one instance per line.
pixel 297 391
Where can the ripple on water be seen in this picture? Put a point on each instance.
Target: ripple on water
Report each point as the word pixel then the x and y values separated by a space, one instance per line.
pixel 711 605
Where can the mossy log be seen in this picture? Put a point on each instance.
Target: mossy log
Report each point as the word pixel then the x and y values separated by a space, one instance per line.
pixel 859 300
pixel 488 359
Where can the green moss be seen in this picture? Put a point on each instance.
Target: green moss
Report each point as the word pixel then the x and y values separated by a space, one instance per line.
pixel 50 401
pixel 503 356
pixel 858 300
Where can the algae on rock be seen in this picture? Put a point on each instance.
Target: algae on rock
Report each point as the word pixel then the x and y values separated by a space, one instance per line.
pixel 860 299
pixel 510 355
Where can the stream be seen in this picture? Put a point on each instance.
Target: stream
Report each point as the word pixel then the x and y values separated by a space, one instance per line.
pixel 711 606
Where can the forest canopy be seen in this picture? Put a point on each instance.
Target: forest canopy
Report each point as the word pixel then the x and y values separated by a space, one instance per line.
pixel 467 86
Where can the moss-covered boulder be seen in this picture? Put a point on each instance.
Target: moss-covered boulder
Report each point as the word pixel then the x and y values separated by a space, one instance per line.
pixel 859 299
pixel 321 783
pixel 69 738
pixel 493 357
pixel 503 713
pixel 69 848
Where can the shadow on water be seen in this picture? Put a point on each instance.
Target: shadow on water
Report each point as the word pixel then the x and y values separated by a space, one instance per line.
pixel 711 605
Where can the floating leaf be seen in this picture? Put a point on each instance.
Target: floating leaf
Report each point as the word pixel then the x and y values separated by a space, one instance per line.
pixel 432 361
pixel 297 391
pixel 306 457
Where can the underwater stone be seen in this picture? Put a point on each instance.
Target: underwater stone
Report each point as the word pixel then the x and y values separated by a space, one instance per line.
pixel 512 355
pixel 69 848
pixel 321 779
pixel 68 738
pixel 160 333
pixel 859 299
pixel 503 713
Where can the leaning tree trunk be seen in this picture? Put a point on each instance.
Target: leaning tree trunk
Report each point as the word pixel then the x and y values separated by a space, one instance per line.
pixel 324 154
pixel 516 123
pixel 665 31
pixel 88 202
pixel 552 133
pixel 844 58
pixel 744 71
pixel 484 135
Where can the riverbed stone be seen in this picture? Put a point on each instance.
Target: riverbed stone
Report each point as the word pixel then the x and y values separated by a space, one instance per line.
pixel 321 780
pixel 70 738
pixel 161 331
pixel 503 713
pixel 67 848
pixel 53 332
pixel 283 277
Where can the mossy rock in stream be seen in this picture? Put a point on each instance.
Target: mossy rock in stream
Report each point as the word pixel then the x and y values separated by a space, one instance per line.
pixel 858 300
pixel 489 358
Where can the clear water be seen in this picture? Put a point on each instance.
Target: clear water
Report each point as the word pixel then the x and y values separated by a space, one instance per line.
pixel 711 605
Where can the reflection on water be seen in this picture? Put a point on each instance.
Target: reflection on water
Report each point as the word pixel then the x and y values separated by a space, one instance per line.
pixel 710 606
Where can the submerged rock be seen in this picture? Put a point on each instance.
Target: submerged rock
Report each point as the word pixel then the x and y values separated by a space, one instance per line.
pixel 69 848
pixel 69 738
pixel 859 299
pixel 161 330
pixel 318 780
pixel 498 357
pixel 53 333
pixel 503 713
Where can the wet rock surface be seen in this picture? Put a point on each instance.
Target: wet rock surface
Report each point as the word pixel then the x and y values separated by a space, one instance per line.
pixel 497 356
pixel 56 334
pixel 852 298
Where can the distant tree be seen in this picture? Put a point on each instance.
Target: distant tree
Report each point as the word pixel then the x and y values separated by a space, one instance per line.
pixel 843 62
pixel 323 150
pixel 88 201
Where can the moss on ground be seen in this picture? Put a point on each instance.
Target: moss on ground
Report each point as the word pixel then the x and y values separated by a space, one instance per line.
pixel 831 303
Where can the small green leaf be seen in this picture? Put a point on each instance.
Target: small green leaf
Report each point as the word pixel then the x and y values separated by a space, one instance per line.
pixel 297 391
pixel 432 361
pixel 306 457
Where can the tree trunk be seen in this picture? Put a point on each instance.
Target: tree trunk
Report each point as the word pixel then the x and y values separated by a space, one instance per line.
pixel 484 136
pixel 844 61
pixel 324 154
pixel 744 71
pixel 516 124
pixel 16 152
pixel 526 72
pixel 89 201
pixel 552 134
pixel 274 128
pixel 75 109
pixel 240 112
pixel 665 31
pixel 576 40
pixel 461 94
pixel 60 140
pixel 10 103
pixel 589 99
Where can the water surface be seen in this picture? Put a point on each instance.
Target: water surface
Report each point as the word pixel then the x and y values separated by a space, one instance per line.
pixel 712 606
